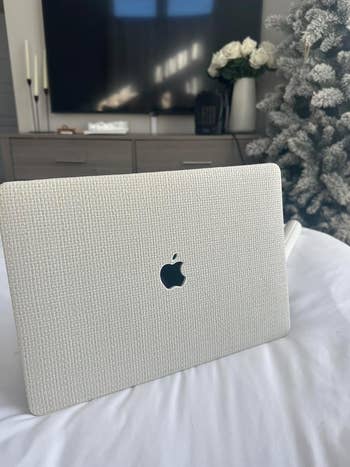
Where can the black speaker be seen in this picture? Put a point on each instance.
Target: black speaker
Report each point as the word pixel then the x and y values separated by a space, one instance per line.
pixel 210 113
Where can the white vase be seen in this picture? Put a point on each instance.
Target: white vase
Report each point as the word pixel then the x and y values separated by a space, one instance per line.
pixel 243 106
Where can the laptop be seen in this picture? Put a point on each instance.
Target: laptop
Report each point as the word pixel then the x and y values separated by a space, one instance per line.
pixel 119 280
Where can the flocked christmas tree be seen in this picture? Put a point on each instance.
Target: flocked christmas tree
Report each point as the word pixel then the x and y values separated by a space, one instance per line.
pixel 308 117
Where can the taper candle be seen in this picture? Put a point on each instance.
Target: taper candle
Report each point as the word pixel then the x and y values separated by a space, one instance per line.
pixel 45 79
pixel 36 76
pixel 26 49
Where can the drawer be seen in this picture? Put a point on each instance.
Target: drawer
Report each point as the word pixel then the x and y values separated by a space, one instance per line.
pixel 50 158
pixel 185 154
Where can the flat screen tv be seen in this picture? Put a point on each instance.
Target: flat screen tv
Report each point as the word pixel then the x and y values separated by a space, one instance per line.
pixel 138 56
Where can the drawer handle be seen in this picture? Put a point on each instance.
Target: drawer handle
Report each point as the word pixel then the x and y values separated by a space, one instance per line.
pixel 70 161
pixel 197 162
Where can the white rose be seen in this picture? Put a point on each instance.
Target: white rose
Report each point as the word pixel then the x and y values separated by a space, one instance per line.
pixel 258 58
pixel 212 71
pixel 232 50
pixel 248 46
pixel 271 51
pixel 219 60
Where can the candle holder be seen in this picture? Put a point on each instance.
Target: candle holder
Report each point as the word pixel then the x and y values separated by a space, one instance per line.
pixel 46 92
pixel 29 82
pixel 36 100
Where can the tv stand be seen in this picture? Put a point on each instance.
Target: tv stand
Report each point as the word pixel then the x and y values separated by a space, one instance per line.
pixel 34 156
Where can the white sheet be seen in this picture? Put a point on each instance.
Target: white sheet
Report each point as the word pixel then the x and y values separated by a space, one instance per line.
pixel 286 403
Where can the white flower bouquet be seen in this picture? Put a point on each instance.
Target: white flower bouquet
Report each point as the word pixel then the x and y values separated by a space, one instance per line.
pixel 242 60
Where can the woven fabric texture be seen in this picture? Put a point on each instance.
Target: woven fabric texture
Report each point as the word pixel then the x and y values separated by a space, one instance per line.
pixel 84 257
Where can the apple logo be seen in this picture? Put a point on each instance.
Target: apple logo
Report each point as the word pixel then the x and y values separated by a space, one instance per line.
pixel 171 274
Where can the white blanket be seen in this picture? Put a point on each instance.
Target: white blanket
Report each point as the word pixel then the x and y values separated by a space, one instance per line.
pixel 286 403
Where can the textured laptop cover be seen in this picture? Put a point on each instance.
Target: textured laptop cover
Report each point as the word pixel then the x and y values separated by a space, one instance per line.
pixel 85 259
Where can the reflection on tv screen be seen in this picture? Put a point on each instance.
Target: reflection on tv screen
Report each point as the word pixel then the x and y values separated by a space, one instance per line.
pixel 138 56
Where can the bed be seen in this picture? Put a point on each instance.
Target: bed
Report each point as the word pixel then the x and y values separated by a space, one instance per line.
pixel 286 403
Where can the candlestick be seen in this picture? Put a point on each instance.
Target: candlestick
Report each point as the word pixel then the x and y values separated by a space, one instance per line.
pixel 45 78
pixel 46 92
pixel 36 100
pixel 29 82
pixel 36 77
pixel 27 61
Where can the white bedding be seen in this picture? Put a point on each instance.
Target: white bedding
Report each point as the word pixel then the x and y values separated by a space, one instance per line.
pixel 286 403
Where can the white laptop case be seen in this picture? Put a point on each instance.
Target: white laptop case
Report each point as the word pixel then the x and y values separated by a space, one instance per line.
pixel 85 261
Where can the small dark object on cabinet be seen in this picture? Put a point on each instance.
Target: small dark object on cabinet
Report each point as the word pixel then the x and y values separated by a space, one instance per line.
pixel 210 113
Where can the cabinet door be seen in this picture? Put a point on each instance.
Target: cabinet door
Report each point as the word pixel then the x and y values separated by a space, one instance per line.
pixel 55 157
pixel 168 154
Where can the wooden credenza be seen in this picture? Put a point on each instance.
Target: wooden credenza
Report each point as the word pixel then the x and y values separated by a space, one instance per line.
pixel 34 156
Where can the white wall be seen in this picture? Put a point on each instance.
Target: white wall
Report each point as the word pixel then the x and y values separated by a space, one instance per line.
pixel 24 21
pixel 8 122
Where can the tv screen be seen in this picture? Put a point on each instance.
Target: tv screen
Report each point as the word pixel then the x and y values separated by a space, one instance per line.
pixel 138 56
